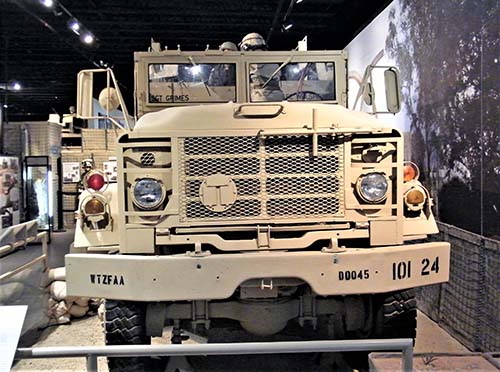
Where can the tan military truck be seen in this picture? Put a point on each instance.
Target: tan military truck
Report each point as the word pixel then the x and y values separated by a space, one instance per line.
pixel 271 217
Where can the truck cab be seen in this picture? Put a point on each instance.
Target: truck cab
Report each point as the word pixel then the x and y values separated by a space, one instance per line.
pixel 229 206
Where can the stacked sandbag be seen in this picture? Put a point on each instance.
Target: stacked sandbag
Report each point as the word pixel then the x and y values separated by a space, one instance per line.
pixel 63 307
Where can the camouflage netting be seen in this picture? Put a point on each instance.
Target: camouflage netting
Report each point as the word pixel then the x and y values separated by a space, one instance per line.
pixel 468 306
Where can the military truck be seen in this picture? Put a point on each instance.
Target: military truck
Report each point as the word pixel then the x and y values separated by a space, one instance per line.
pixel 269 217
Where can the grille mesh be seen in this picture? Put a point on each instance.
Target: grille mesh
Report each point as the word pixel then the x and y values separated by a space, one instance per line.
pixel 227 166
pixel 301 164
pixel 287 144
pixel 193 188
pixel 300 185
pixel 247 187
pixel 275 177
pixel 147 159
pixel 220 145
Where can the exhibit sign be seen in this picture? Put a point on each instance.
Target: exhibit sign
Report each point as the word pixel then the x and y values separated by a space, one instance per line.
pixel 10 191
pixel 71 172
pixel 11 324
pixel 111 170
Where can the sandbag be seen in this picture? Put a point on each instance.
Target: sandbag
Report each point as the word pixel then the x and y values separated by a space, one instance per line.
pixel 100 312
pixel 59 273
pixel 52 303
pixel 78 311
pixel 63 319
pixel 58 290
pixel 57 310
pixel 82 301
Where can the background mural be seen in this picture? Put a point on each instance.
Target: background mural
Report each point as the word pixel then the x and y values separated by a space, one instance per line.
pixel 448 54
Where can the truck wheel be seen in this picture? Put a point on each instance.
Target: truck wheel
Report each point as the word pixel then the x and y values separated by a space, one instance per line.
pixel 397 315
pixel 125 325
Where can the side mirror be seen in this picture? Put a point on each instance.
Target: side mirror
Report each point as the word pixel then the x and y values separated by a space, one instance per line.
pixel 84 98
pixel 392 90
pixel 110 98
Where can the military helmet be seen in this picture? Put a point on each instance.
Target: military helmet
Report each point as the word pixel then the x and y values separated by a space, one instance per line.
pixel 228 45
pixel 253 41
pixel 87 164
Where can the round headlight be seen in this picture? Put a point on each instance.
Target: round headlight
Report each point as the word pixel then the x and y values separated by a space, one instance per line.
pixel 372 187
pixel 148 193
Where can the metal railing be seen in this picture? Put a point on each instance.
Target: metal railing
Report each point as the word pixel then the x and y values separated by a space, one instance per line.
pixel 18 236
pixel 91 353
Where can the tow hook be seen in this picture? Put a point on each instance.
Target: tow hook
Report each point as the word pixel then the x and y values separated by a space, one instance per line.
pixel 333 247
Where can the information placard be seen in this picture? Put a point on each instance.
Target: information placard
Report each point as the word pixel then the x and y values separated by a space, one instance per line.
pixel 11 323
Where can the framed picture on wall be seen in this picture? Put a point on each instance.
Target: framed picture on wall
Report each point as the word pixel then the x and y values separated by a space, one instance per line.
pixel 110 168
pixel 71 172
pixel 10 186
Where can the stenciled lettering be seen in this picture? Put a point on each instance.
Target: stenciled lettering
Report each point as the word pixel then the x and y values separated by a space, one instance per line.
pixel 107 279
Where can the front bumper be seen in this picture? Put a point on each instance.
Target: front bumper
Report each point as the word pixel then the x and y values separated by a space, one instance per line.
pixel 183 277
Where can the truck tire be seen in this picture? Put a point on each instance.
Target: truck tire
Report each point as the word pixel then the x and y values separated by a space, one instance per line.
pixel 397 315
pixel 125 325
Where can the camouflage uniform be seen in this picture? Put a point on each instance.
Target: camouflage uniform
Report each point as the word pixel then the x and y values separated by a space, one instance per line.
pixel 222 75
pixel 259 74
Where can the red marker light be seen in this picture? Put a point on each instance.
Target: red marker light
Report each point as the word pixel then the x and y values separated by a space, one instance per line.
pixel 96 181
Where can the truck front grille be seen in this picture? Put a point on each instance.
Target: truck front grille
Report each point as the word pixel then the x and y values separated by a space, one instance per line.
pixel 276 177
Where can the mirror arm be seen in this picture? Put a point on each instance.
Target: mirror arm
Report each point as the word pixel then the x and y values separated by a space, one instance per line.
pixel 120 99
pixel 362 85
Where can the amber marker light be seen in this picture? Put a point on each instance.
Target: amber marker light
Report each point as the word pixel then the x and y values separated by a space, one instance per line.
pixel 415 197
pixel 410 171
pixel 93 206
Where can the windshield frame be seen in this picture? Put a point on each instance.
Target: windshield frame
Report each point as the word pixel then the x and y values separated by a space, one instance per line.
pixel 242 61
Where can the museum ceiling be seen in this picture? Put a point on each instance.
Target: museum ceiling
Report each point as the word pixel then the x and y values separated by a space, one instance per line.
pixel 40 51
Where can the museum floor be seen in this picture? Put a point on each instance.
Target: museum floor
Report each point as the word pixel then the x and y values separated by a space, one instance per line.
pixel 88 331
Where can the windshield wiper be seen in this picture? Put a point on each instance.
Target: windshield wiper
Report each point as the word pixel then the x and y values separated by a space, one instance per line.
pixel 204 82
pixel 286 62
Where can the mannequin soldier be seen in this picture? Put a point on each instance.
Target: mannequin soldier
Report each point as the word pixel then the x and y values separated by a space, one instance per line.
pixel 260 73
pixel 223 74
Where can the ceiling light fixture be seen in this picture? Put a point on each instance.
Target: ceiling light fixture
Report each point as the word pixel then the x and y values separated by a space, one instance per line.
pixel 74 26
pixel 298 1
pixel 47 3
pixel 87 38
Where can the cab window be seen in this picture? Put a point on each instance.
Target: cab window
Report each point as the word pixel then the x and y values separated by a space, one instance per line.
pixel 308 81
pixel 186 82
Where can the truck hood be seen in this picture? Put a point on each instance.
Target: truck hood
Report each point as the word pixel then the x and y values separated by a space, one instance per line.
pixel 293 115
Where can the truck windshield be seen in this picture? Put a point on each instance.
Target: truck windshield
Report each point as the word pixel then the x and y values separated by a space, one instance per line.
pixel 186 82
pixel 308 81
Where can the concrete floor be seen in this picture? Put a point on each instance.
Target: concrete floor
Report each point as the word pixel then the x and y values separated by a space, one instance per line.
pixel 430 339
pixel 28 287
pixel 88 331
